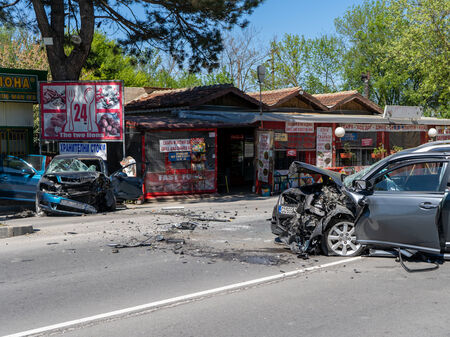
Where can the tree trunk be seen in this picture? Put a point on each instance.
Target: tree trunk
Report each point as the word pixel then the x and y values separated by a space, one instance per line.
pixel 63 67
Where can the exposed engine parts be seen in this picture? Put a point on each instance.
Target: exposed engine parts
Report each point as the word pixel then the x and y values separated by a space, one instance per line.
pixel 311 209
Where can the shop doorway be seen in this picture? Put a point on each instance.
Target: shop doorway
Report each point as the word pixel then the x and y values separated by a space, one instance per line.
pixel 235 159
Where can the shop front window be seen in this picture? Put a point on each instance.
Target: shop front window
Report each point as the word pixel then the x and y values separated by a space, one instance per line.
pixel 403 140
pixel 291 147
pixel 355 149
pixel 284 158
pixel 357 157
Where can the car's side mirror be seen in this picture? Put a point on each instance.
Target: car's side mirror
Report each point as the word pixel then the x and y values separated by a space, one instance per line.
pixel 362 185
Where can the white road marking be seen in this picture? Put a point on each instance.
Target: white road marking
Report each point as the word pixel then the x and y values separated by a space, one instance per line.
pixel 179 299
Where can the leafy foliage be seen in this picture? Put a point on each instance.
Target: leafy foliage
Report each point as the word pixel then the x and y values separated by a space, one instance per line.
pixel 107 61
pixel 190 31
pixel 423 47
pixel 20 50
pixel 313 64
pixel 404 45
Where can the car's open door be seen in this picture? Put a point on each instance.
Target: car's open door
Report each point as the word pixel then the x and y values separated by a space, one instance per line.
pixel 126 187
pixel 404 206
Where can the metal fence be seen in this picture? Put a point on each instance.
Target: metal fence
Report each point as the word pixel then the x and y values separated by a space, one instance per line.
pixel 14 141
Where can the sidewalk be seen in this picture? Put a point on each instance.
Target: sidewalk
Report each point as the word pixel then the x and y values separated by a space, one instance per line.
pixel 9 211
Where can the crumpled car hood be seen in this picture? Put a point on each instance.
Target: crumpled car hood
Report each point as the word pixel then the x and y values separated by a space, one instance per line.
pixel 74 177
pixel 300 167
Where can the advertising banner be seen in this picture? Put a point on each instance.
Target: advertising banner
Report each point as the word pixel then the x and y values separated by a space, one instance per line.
pixel 249 150
pixel 384 127
pixel 323 147
pixel 179 156
pixel 299 127
pixel 175 145
pixel 443 133
pixel 95 149
pixel 367 142
pixel 280 137
pixel 161 182
pixel 264 145
pixel 82 111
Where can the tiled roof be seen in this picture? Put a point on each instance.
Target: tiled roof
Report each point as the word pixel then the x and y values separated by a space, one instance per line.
pixel 335 100
pixel 274 98
pixel 332 99
pixel 185 97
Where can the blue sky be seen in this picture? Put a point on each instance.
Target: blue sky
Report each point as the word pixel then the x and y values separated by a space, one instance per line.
pixel 311 18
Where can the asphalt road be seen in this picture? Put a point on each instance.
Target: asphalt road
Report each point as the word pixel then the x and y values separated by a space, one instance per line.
pixel 66 271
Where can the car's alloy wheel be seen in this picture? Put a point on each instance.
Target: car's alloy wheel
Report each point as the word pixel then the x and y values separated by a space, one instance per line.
pixel 340 239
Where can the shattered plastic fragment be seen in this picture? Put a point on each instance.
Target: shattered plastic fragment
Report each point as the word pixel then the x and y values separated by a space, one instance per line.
pixel 182 241
pixel 173 208
pixel 211 219
pixel 186 225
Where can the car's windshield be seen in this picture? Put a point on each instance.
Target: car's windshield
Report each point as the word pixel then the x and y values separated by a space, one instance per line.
pixel 348 181
pixel 58 165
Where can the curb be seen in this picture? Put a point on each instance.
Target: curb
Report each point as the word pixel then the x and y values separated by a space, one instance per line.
pixel 9 231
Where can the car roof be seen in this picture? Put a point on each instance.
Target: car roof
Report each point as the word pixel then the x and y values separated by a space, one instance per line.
pixel 431 148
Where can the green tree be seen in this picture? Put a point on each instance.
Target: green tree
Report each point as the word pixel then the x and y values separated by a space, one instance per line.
pixel 324 64
pixel 404 44
pixel 368 30
pixel 219 76
pixel 287 63
pixel 108 61
pixel 424 47
pixel 19 49
pixel 190 31
pixel 313 64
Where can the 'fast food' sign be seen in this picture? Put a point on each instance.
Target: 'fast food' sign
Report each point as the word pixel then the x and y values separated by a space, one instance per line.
pixel 82 111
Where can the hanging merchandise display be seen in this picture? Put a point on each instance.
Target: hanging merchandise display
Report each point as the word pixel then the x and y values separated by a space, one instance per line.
pixel 198 155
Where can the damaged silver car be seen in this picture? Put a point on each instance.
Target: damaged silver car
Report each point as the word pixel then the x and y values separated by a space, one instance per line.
pixel 76 185
pixel 400 202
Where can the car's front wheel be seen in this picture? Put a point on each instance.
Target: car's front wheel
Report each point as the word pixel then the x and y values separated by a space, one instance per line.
pixel 340 239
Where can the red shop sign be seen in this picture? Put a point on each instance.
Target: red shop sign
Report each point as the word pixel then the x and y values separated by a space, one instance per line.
pixel 291 153
pixel 366 142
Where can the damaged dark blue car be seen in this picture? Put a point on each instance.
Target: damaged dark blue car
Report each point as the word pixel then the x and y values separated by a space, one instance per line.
pixel 75 185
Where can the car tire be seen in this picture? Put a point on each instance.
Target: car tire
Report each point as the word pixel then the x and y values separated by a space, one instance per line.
pixel 339 239
pixel 38 209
